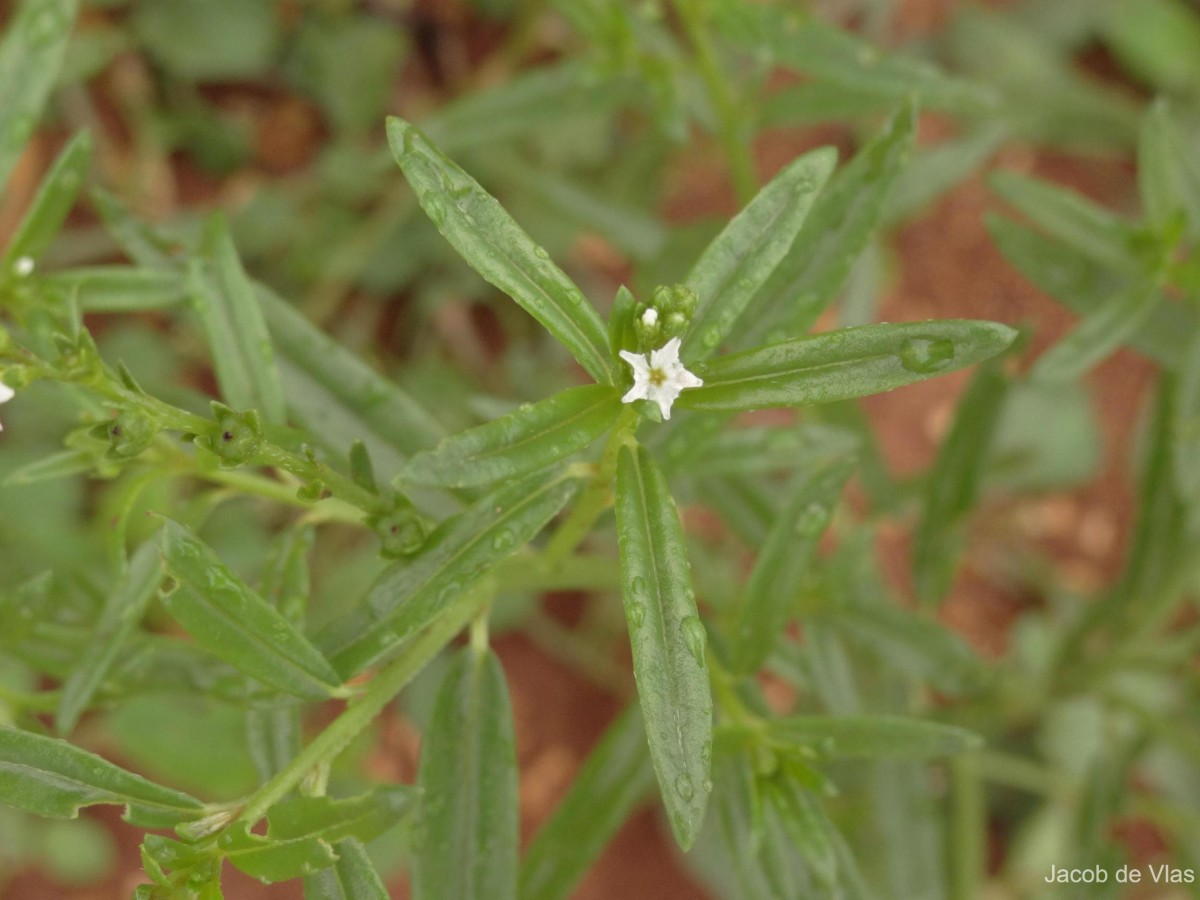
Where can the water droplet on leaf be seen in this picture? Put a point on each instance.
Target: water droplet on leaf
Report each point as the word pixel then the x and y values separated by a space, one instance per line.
pixel 925 356
pixel 695 637
pixel 684 787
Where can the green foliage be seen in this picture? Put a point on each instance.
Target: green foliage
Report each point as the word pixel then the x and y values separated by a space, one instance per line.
pixel 270 457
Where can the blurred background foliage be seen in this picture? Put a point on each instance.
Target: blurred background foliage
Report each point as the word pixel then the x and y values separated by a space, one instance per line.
pixel 1048 601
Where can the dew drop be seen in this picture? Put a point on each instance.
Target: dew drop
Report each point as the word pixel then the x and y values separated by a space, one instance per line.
pixel 637 613
pixel 812 520
pixel 711 337
pixel 926 355
pixel 708 785
pixel 503 540
pixel 638 586
pixel 746 284
pixel 540 253
pixel 695 637
pixel 684 787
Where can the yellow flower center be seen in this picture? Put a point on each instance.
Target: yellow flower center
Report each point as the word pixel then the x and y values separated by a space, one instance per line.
pixel 657 377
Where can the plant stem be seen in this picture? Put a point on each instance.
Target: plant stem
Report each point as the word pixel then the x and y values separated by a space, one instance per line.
pixel 362 711
pixel 741 164
pixel 595 500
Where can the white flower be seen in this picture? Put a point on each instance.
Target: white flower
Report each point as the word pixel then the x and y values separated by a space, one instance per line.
pixel 23 266
pixel 6 394
pixel 650 317
pixel 660 378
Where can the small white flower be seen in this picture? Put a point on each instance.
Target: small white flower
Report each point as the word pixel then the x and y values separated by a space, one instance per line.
pixel 650 317
pixel 23 266
pixel 660 378
pixel 6 394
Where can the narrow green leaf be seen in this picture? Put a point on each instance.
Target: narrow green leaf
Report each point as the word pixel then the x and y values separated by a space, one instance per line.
pixel 937 169
pixel 734 266
pixel 468 775
pixel 668 640
pixel 55 197
pixel 1157 41
pixel 409 595
pixel 763 861
pixel 615 777
pixel 1157 556
pixel 952 487
pixel 234 623
pixel 531 438
pixel 105 289
pixel 538 97
pixel 1073 219
pixel 1186 425
pixel 745 504
pixel 836 231
pixel 63 464
pixel 337 397
pixel 31 54
pixel 919 647
pixel 123 610
pixel 807 44
pixel 748 450
pixel 1168 176
pixel 1076 281
pixel 496 247
pixel 783 562
pixel 352 877
pixel 301 831
pixel 873 736
pixel 50 777
pixel 836 365
pixel 812 833
pixel 1097 336
pixel 227 304
pixel 630 229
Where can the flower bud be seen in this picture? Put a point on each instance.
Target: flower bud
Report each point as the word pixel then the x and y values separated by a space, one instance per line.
pixel 129 434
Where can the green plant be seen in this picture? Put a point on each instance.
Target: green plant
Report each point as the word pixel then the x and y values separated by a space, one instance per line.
pixel 210 572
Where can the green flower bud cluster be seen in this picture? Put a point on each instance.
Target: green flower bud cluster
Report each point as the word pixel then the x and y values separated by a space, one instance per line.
pixel 400 530
pixel 666 316
pixel 129 434
pixel 237 438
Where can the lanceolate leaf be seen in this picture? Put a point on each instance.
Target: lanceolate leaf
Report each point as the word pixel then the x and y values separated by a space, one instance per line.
pixel 1076 221
pixel 31 54
pixel 496 247
pixel 468 776
pixel 873 736
pixel 338 397
pixel 118 288
pixel 807 44
pixel 834 234
pixel 54 200
pixel 531 438
pixel 121 615
pixel 409 595
pixel 352 877
pixel 1186 425
pixel 837 365
pixel 738 261
pixel 668 640
pixel 1098 335
pixel 228 307
pixel 952 486
pixel 615 777
pixel 50 777
pixel 1168 174
pixel 301 831
pixel 783 563
pixel 1076 281
pixel 234 623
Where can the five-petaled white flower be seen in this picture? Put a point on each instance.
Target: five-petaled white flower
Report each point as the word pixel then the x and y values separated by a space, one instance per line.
pixel 6 394
pixel 659 378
